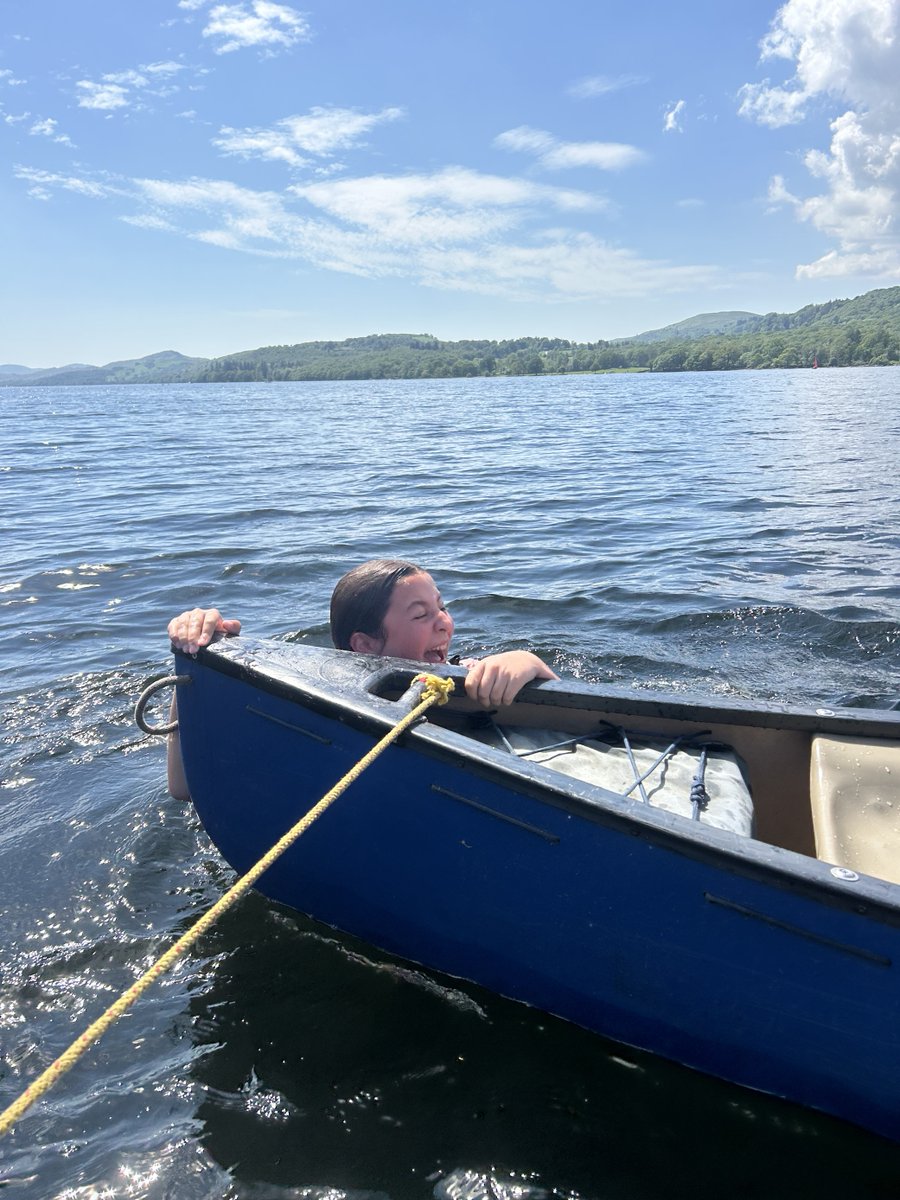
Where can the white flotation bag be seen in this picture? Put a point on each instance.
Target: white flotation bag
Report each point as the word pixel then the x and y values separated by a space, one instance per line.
pixel 671 772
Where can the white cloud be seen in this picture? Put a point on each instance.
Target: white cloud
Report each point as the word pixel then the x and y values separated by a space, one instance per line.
pixel 602 85
pixel 882 264
pixel 320 133
pixel 560 266
pixel 556 155
pixel 448 207
pixel 47 128
pixel 257 23
pixel 150 221
pixel 844 52
pixel 454 229
pixel 846 49
pixel 69 183
pixel 772 106
pixel 149 76
pixel 274 144
pixel 119 89
pixel 672 120
pixel 7 77
pixel 106 96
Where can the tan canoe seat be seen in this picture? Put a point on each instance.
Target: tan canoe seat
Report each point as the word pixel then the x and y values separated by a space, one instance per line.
pixel 855 797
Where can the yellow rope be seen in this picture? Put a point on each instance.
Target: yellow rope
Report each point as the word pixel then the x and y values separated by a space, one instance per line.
pixel 436 691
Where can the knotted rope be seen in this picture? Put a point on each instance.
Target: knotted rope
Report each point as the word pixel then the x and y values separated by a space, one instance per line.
pixel 435 691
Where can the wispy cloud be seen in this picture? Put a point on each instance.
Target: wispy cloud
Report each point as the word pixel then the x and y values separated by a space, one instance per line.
pixel 43 184
pixel 9 79
pixel 47 128
pixel 553 154
pixel 447 207
pixel 453 229
pixel 602 85
pixel 320 133
pixel 105 96
pixel 846 51
pixel 672 119
pixel 120 89
pixel 258 23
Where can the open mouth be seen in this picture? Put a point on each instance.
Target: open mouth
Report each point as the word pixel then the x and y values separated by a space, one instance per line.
pixel 438 654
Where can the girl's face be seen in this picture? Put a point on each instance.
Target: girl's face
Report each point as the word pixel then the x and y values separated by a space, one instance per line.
pixel 417 624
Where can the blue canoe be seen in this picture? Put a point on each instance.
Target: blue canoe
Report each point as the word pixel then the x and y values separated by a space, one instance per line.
pixel 754 937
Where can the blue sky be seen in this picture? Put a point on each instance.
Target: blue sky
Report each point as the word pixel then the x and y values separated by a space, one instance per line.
pixel 213 176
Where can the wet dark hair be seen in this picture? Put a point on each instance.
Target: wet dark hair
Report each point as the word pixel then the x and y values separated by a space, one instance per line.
pixel 361 598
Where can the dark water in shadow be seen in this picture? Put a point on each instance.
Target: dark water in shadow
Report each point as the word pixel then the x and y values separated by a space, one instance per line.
pixel 734 534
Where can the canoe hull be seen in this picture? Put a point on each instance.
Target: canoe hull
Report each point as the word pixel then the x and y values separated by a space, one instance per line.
pixel 743 960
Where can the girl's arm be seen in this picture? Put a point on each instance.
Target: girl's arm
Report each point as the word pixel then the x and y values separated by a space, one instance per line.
pixel 188 632
pixel 499 678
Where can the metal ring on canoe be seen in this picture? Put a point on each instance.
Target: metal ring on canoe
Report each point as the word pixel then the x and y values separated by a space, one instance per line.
pixel 151 690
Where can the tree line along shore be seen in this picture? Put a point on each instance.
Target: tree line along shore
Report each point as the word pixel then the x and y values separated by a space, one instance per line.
pixel 864 331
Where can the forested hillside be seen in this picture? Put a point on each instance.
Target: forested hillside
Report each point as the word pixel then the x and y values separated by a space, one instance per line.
pixel 840 333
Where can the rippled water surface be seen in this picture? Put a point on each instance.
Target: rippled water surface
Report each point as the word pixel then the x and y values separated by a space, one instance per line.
pixel 728 533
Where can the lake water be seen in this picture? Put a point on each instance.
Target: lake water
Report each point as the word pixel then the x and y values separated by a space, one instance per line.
pixel 726 533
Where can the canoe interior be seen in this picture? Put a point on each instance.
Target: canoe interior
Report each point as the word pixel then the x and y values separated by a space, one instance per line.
pixel 776 760
pixel 775 746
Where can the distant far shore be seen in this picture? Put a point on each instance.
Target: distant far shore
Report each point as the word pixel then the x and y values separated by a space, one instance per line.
pixel 863 331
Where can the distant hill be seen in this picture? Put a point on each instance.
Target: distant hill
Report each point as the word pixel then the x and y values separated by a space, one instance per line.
pixel 876 305
pixel 384 356
pixel 696 327
pixel 167 366
pixel 838 333
pixel 864 330
pixel 880 305
pixel 12 372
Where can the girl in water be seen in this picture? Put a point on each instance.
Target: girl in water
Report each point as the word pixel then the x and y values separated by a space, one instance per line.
pixel 384 606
